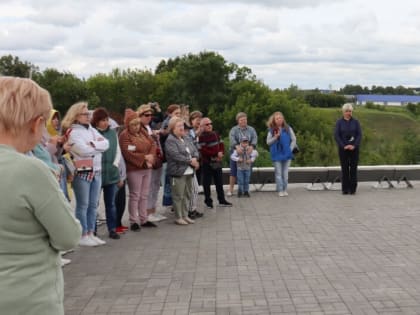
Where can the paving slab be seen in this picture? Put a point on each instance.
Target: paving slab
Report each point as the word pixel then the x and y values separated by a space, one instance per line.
pixel 312 253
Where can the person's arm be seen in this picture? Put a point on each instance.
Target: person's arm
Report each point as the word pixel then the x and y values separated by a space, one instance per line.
pixel 254 155
pixel 271 138
pixel 173 151
pixel 254 138
pixel 80 144
pixel 53 211
pixel 101 144
pixel 337 135
pixel 233 138
pixel 235 156
pixel 128 150
pixel 358 137
pixel 292 138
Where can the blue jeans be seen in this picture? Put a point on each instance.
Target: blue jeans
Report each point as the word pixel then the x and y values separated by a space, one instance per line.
pixel 281 173
pixel 110 191
pixel 243 177
pixel 87 198
pixel 63 180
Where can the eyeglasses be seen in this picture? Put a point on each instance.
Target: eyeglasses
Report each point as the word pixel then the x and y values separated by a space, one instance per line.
pixel 147 115
pixel 209 124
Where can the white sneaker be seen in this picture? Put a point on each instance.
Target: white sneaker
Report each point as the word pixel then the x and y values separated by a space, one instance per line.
pixel 229 194
pixel 87 241
pixel 153 218
pixel 67 251
pixel 97 240
pixel 281 194
pixel 285 193
pixel 65 261
pixel 160 217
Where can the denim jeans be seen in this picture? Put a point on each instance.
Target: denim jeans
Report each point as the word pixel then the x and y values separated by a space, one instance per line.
pixel 281 173
pixel 87 198
pixel 110 192
pixel 63 180
pixel 243 177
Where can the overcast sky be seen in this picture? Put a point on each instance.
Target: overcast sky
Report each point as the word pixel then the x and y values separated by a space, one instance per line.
pixel 310 43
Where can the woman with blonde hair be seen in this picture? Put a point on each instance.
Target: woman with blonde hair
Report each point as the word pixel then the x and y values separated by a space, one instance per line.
pixel 281 139
pixel 87 146
pixel 36 222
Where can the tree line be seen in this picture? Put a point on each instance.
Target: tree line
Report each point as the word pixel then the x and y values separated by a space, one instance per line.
pixel 218 88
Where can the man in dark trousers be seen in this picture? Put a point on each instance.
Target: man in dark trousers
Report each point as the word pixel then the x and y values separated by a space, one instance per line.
pixel 212 150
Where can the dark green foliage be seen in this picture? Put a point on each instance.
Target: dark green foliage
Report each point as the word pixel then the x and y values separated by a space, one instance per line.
pixel 13 66
pixel 317 99
pixel 207 82
pixel 65 88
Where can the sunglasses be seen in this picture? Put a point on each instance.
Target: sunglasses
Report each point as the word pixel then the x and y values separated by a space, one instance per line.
pixel 209 124
pixel 147 115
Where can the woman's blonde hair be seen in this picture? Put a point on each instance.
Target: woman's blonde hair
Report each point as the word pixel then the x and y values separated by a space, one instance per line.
pixel 347 106
pixel 173 121
pixel 21 100
pixel 271 122
pixel 71 115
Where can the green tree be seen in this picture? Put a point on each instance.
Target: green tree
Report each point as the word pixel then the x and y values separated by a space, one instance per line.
pixel 65 88
pixel 13 66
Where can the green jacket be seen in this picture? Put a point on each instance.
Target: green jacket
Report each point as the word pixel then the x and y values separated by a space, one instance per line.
pixel 36 223
pixel 110 171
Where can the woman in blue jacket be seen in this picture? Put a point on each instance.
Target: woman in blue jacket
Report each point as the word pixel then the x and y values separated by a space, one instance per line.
pixel 281 139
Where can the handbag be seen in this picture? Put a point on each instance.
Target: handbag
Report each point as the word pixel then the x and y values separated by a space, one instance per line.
pixel 82 166
pixel 215 164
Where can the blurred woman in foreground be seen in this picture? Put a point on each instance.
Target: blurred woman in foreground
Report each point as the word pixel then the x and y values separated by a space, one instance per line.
pixel 36 222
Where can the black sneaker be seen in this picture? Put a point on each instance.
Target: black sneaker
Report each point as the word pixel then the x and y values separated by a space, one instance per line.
pixel 225 204
pixel 148 224
pixel 114 235
pixel 191 215
pixel 135 227
pixel 209 205
pixel 246 194
pixel 198 214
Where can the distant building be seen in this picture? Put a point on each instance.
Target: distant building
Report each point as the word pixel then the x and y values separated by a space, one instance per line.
pixel 387 100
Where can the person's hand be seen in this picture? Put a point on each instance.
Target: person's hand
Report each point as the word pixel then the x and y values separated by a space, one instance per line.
pixel 239 149
pixel 150 158
pixel 54 140
pixel 67 146
pixel 351 147
pixel 194 163
pixel 249 149
pixel 220 155
pixel 120 184
pixel 240 159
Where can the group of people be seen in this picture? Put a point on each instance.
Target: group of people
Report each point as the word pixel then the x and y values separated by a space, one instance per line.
pixel 39 156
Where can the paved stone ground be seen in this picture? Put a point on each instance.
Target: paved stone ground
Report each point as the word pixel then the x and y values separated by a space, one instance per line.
pixel 312 253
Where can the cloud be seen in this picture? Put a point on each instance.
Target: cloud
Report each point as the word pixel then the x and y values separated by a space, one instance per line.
pixel 314 43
